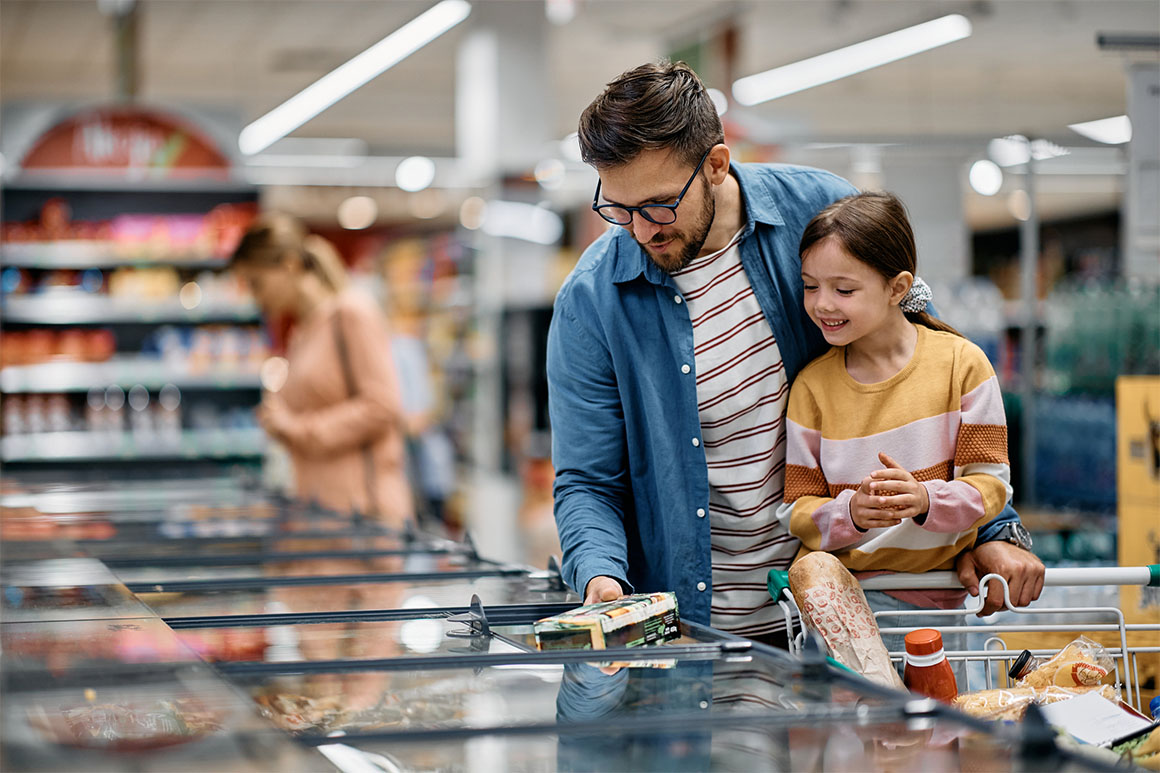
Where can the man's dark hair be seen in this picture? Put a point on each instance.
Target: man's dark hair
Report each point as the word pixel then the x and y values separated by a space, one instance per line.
pixel 662 106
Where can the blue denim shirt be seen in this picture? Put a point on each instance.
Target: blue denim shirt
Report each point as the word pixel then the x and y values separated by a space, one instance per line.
pixel 631 474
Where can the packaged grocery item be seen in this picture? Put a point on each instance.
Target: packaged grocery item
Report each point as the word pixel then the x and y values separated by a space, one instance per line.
pixel 630 621
pixel 1141 749
pixel 1082 663
pixel 927 670
pixel 1011 703
pixel 832 603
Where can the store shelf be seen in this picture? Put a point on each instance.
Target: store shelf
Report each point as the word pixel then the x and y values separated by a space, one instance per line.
pixel 69 308
pixel 86 254
pixel 125 372
pixel 125 446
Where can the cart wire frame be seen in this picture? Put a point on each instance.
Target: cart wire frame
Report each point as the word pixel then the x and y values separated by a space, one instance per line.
pixel 995 659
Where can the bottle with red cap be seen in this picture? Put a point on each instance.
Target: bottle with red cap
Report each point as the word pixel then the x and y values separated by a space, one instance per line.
pixel 927 670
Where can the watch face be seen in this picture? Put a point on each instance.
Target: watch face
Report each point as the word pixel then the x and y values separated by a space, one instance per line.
pixel 1020 536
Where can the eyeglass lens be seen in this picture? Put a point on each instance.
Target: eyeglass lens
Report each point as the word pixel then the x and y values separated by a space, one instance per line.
pixel 620 216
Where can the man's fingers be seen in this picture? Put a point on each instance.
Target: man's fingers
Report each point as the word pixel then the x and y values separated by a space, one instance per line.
pixel 994 601
pixel 967 575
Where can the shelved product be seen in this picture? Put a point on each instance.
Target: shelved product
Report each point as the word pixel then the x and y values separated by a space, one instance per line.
pixel 124 340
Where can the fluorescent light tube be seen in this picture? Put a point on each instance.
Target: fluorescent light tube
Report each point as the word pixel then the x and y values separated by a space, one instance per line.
pixel 368 65
pixel 1110 131
pixel 824 68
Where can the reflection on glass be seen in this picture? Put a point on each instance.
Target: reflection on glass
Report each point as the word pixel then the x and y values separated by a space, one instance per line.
pixel 60 647
pixel 301 567
pixel 323 598
pixel 63 589
pixel 329 641
pixel 778 744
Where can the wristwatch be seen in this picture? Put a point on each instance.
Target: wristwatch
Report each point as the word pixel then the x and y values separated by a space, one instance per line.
pixel 1015 534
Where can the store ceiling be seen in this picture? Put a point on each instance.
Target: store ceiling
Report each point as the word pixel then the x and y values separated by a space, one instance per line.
pixel 1031 66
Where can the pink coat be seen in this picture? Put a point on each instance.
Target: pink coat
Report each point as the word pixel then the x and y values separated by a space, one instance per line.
pixel 347 450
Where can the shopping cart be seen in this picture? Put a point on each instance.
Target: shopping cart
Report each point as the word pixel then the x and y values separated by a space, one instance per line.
pixel 990 663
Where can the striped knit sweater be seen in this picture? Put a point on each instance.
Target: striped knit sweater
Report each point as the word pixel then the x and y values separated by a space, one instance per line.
pixel 941 417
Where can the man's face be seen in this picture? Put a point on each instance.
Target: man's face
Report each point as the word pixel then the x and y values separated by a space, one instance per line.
pixel 657 177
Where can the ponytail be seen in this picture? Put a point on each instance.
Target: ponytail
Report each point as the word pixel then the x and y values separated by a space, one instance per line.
pixel 322 258
pixel 934 323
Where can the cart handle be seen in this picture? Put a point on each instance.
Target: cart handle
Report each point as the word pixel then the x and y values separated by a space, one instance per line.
pixel 778 579
pixel 1093 575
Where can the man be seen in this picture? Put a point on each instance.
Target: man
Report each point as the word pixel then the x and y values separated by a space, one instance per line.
pixel 670 355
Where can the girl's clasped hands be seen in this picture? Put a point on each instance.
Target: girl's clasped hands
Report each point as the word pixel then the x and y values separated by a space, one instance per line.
pixel 888 496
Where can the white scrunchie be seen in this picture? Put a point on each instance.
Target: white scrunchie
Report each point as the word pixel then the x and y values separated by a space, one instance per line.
pixel 916 297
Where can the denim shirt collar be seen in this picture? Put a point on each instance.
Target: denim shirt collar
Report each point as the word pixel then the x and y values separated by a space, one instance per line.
pixel 632 262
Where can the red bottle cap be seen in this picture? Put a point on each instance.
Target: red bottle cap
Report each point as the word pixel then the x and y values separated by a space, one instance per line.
pixel 924 641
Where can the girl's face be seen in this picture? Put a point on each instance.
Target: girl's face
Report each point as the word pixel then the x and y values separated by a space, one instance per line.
pixel 846 298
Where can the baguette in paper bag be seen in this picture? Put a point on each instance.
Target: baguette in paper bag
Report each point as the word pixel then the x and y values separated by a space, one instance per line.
pixel 833 604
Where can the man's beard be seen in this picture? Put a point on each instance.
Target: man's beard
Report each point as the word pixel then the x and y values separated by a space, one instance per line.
pixel 699 229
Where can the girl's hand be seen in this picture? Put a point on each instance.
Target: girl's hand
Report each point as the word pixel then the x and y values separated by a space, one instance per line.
pixel 866 509
pixel 887 496
pixel 895 489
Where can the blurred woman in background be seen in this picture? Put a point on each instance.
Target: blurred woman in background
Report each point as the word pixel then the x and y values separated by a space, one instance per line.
pixel 339 412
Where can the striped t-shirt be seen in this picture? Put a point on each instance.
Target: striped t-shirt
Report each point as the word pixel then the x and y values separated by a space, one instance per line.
pixel 741 399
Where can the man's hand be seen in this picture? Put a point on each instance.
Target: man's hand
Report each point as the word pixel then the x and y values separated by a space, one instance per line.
pixel 887 496
pixel 1022 570
pixel 602 588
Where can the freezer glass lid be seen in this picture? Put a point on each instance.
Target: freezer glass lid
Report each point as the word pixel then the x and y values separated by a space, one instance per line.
pixel 360 596
pixel 350 641
pixel 881 740
pixel 63 589
pixel 153 545
pixel 266 570
pixel 528 689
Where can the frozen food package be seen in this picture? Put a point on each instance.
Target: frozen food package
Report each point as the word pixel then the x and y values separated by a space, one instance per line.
pixel 630 621
pixel 832 603
pixel 1083 663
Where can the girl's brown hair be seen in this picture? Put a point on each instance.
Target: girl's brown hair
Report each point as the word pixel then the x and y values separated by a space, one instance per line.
pixel 274 235
pixel 872 227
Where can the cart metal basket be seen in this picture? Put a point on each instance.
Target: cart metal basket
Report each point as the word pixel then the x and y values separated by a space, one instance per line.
pixel 986 666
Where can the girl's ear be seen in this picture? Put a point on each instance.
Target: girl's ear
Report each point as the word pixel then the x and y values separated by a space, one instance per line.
pixel 900 286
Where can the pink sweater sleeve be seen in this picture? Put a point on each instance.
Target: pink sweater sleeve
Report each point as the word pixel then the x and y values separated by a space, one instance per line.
pixel 374 409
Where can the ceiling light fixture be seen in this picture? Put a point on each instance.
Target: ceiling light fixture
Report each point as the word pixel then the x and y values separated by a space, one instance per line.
pixel 986 177
pixel 1111 131
pixel 1017 149
pixel 415 173
pixel 355 73
pixel 844 62
pixel 518 220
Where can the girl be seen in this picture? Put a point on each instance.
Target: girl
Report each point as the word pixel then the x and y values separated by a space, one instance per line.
pixel 896 437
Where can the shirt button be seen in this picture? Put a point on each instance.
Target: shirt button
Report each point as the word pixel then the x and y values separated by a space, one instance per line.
pixel 678 299
pixel 696 442
pixel 700 512
pixel 701 586
pixel 704 704
pixel 685 369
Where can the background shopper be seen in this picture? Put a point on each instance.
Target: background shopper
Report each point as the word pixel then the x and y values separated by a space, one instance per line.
pixel 339 412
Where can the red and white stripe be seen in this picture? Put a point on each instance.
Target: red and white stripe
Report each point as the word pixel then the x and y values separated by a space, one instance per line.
pixel 742 394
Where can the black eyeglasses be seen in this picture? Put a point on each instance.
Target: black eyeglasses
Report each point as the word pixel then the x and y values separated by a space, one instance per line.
pixel 661 214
